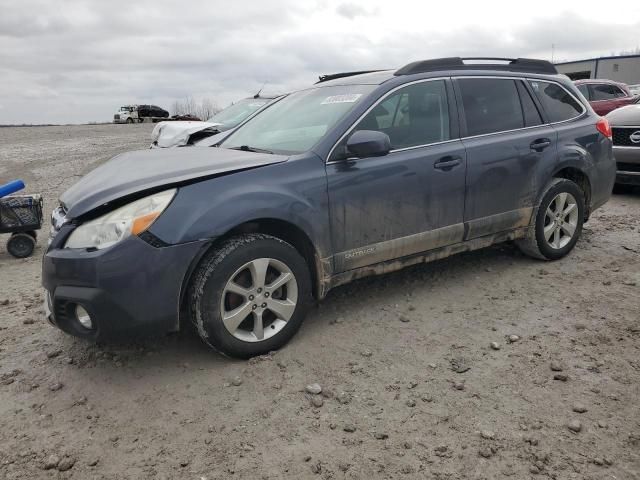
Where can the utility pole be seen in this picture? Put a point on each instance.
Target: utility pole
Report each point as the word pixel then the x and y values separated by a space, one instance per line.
pixel 553 47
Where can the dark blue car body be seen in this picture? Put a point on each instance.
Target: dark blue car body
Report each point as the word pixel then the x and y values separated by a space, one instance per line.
pixel 348 218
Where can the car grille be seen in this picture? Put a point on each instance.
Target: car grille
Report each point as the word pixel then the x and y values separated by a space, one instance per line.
pixel 116 117
pixel 622 136
pixel 628 167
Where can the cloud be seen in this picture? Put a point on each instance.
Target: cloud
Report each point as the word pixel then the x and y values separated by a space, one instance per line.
pixel 352 10
pixel 81 62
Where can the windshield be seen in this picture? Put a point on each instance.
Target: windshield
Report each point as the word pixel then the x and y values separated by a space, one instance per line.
pixel 296 123
pixel 231 116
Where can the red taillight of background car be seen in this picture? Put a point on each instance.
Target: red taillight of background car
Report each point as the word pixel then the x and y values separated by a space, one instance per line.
pixel 604 128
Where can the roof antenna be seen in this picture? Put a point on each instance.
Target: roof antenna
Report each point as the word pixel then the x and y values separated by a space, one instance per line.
pixel 257 95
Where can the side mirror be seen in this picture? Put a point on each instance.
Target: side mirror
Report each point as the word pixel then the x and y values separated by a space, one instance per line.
pixel 368 143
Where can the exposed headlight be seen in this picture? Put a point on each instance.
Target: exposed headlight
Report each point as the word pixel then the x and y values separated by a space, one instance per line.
pixel 115 226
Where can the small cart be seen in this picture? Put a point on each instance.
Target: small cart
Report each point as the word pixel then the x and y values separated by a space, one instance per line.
pixel 21 216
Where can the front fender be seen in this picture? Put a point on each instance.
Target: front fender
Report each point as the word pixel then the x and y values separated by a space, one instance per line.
pixel 294 192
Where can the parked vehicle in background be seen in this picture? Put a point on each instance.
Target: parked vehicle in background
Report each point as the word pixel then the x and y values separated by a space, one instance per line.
pixel 635 89
pixel 138 113
pixel 605 95
pixel 180 134
pixel 625 125
pixel 126 114
pixel 355 176
pixel 186 117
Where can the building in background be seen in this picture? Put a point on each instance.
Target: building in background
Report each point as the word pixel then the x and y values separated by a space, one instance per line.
pixel 624 68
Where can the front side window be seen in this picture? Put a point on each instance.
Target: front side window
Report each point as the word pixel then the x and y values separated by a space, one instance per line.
pixel 490 105
pixel 414 115
pixel 233 115
pixel 296 123
pixel 557 102
pixel 584 90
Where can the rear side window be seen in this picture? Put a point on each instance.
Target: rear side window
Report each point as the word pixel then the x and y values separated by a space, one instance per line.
pixel 604 91
pixel 529 110
pixel 557 102
pixel 415 115
pixel 490 105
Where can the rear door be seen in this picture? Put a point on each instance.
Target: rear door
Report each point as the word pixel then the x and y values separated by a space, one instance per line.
pixel 410 200
pixel 507 145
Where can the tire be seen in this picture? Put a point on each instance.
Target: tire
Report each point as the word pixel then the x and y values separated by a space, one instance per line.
pixel 233 267
pixel 129 120
pixel 538 243
pixel 21 245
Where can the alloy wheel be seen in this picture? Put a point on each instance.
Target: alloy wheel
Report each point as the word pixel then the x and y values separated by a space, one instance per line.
pixel 561 220
pixel 259 299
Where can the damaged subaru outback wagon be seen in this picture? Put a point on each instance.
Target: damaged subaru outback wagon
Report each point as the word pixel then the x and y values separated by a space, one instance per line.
pixel 360 174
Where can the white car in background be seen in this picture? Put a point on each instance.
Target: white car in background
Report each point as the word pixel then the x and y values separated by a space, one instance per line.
pixel 183 133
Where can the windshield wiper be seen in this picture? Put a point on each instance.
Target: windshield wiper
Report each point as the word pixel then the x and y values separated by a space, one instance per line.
pixel 247 148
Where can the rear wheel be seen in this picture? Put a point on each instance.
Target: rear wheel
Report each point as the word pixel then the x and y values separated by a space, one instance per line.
pixel 250 295
pixel 21 245
pixel 558 223
pixel 129 120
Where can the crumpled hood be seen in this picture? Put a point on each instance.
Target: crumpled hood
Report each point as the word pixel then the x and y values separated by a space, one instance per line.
pixel 141 170
pixel 176 134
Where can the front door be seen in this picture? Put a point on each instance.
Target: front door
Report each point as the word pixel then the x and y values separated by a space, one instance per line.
pixel 408 201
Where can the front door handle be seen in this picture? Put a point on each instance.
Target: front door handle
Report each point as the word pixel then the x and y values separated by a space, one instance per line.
pixel 540 144
pixel 447 163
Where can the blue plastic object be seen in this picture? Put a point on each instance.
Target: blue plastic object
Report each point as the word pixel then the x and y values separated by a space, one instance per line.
pixel 11 187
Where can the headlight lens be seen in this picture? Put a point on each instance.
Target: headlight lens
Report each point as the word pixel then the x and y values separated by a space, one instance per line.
pixel 132 219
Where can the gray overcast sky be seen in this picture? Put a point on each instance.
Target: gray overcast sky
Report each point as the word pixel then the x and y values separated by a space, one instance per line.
pixel 79 60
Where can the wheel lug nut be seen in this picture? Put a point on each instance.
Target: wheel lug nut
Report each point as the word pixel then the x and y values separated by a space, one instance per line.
pixel 251 297
pixel 266 294
pixel 254 306
pixel 263 305
pixel 259 290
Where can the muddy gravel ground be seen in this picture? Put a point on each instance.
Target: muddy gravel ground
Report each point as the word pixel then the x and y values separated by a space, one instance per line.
pixel 412 386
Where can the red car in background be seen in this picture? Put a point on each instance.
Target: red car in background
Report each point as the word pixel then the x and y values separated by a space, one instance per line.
pixel 605 95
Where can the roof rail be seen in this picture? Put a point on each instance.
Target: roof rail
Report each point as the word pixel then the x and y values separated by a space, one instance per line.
pixel 333 76
pixel 457 63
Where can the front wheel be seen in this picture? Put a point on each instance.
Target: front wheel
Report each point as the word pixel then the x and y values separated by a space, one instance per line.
pixel 558 223
pixel 250 295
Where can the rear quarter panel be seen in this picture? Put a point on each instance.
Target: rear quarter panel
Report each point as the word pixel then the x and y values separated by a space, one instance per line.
pixel 581 146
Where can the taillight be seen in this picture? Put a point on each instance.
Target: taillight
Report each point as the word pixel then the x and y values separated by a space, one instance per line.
pixel 604 128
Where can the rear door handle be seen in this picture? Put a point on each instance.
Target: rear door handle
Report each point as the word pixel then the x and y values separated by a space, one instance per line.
pixel 447 163
pixel 540 144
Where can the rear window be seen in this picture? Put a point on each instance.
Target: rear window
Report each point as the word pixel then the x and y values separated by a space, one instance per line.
pixel 490 105
pixel 557 102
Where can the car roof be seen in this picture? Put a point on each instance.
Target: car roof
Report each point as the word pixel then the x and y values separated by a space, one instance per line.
pixel 264 97
pixel 597 80
pixel 449 66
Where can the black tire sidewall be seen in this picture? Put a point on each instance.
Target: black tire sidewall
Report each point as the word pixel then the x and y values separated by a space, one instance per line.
pixel 209 302
pixel 562 186
pixel 17 238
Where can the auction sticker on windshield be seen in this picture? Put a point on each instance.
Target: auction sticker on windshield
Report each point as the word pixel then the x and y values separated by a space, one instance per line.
pixel 347 98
